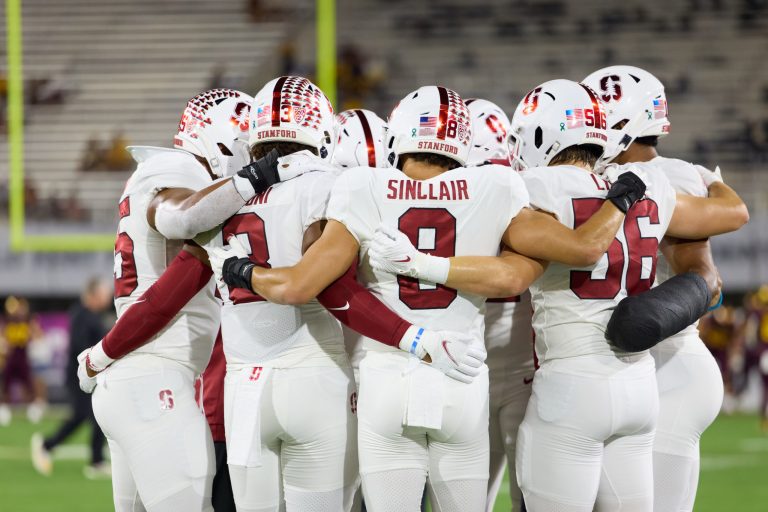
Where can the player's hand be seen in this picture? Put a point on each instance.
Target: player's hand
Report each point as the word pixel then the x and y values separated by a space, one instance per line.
pixel 391 251
pixel 626 188
pixel 232 265
pixel 450 352
pixel 302 162
pixel 709 177
pixel 85 375
pixel 218 255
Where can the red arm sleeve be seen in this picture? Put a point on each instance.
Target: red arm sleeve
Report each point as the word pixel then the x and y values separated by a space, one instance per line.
pixel 366 314
pixel 184 277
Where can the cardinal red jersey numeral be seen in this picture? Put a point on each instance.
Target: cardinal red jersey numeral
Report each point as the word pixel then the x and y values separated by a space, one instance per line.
pixel 126 278
pixel 640 249
pixel 251 227
pixel 431 230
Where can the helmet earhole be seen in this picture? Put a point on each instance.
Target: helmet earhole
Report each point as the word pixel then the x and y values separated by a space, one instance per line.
pixel 323 152
pixel 538 137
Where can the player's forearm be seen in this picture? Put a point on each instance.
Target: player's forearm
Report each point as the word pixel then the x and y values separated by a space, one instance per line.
pixel 492 276
pixel 357 308
pixel 199 212
pixel 593 238
pixel 182 280
pixel 733 213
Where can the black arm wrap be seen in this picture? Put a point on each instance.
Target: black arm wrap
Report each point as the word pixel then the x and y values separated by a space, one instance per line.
pixel 627 189
pixel 237 272
pixel 640 322
pixel 262 173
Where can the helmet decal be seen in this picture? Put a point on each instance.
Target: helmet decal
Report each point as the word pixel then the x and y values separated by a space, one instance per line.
pixel 531 101
pixel 610 88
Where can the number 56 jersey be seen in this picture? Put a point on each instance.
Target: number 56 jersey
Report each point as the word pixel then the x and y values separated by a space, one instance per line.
pixel 463 211
pixel 572 306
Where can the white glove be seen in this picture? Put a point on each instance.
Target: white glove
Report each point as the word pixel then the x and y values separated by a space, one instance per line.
pixel 451 352
pixel 218 255
pixel 87 384
pixel 709 177
pixel 611 172
pixel 391 251
pixel 296 164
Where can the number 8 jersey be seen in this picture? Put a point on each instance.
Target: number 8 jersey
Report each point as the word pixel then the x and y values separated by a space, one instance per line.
pixel 572 306
pixel 463 211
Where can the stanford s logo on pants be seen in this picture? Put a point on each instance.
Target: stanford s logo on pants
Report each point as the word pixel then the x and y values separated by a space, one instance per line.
pixel 166 399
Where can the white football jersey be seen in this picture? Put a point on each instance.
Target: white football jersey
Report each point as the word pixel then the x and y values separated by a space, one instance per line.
pixel 685 179
pixel 142 255
pixel 463 211
pixel 572 306
pixel 271 227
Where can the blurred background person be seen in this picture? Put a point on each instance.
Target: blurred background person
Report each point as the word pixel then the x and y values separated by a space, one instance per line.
pixel 19 328
pixel 87 327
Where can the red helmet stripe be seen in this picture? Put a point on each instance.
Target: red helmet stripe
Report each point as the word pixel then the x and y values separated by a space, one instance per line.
pixel 369 145
pixel 277 92
pixel 595 102
pixel 443 118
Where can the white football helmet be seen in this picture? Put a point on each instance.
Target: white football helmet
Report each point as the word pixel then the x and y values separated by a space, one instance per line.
pixel 360 141
pixel 490 129
pixel 293 109
pixel 431 119
pixel 634 96
pixel 214 126
pixel 555 115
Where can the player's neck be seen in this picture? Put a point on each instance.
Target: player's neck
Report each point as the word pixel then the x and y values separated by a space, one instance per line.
pixel 636 153
pixel 422 170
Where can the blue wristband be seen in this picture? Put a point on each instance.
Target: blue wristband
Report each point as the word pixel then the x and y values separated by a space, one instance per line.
pixel 719 303
pixel 415 342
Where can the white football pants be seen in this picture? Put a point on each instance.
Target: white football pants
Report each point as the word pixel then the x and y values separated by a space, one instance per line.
pixel 415 422
pixel 159 441
pixel 587 438
pixel 690 397
pixel 291 437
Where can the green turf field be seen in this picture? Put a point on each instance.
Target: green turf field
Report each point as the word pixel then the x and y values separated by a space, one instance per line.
pixel 734 472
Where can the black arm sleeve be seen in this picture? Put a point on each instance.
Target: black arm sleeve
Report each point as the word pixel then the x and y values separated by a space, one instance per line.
pixel 640 322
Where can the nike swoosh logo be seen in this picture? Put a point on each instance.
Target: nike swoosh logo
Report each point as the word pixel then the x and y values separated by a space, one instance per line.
pixel 406 260
pixel 342 308
pixel 445 347
pixel 527 381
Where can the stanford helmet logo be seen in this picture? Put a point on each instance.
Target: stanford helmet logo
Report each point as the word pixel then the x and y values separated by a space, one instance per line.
pixel 240 116
pixel 531 101
pixel 610 88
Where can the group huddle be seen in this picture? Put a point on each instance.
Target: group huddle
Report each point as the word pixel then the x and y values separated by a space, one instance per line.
pixel 413 305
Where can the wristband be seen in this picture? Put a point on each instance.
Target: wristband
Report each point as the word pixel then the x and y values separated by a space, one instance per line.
pixel 243 187
pixel 411 341
pixel 432 268
pixel 718 304
pixel 96 359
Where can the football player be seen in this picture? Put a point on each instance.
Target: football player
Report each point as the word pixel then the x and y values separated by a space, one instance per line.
pixel 508 331
pixel 160 443
pixel 412 420
pixel 689 381
pixel 590 420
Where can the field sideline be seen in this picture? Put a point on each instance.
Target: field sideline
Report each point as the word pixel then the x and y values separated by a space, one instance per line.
pixel 734 472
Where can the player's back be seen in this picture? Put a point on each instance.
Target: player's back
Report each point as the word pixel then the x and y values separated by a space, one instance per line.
pixel 685 179
pixel 463 211
pixel 572 306
pixel 142 254
pixel 272 226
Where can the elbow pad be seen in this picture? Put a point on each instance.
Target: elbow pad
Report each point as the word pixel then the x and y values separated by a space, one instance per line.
pixel 210 211
pixel 641 321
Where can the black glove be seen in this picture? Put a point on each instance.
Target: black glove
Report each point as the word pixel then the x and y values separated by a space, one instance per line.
pixel 626 190
pixel 263 172
pixel 236 272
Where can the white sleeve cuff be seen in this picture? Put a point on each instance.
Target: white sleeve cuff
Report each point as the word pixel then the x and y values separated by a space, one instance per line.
pixel 98 359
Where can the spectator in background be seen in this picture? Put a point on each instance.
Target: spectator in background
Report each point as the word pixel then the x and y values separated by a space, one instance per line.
pixel 93 156
pixel 18 330
pixel 86 329
pixel 117 158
